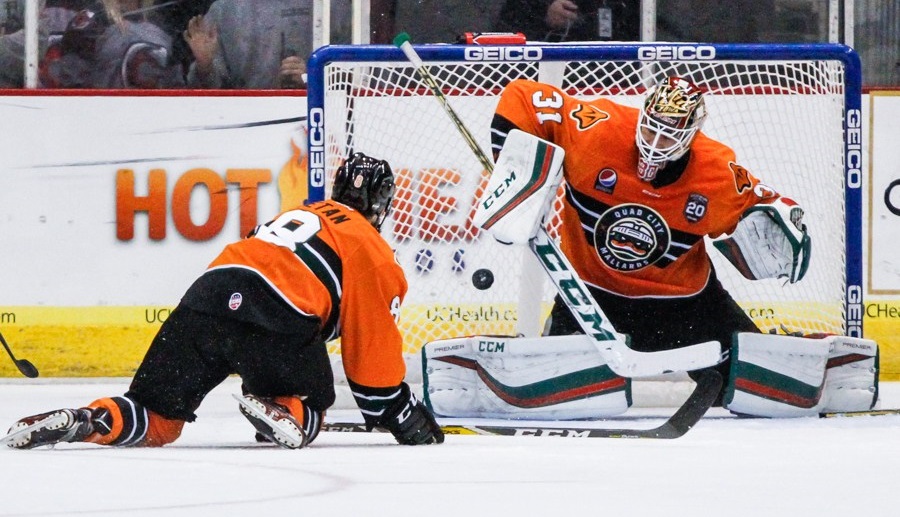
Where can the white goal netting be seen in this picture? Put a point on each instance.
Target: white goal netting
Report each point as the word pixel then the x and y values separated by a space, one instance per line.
pixel 785 119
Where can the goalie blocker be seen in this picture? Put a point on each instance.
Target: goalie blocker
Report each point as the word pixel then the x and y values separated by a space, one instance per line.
pixel 566 378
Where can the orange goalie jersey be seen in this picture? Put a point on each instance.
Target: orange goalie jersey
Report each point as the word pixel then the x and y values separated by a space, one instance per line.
pixel 327 261
pixel 632 237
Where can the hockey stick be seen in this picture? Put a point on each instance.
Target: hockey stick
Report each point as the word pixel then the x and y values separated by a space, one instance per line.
pixel 24 365
pixel 627 362
pixel 402 41
pixel 870 412
pixel 621 359
pixel 709 382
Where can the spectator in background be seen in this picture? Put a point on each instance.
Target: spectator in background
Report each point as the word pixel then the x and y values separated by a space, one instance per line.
pixel 431 21
pixel 174 17
pixel 735 21
pixel 252 44
pixel 54 16
pixel 572 20
pixel 112 44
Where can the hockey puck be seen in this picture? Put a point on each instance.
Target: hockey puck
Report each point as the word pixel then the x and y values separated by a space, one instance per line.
pixel 482 279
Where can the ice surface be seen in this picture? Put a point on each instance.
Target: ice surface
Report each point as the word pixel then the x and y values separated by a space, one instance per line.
pixel 724 467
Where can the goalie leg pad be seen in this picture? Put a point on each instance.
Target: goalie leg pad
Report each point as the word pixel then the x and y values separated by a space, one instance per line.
pixel 776 376
pixel 788 376
pixel 545 378
pixel 851 378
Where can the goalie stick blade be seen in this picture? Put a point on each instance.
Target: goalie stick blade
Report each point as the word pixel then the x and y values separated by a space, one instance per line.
pixel 709 383
pixel 622 359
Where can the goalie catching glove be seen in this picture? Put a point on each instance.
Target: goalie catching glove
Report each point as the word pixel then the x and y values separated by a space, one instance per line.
pixel 770 241
pixel 400 413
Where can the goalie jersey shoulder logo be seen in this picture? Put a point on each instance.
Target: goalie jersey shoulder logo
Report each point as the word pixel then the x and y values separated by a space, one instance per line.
pixel 586 115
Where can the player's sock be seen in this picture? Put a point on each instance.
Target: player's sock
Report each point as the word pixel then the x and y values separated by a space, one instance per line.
pixel 126 424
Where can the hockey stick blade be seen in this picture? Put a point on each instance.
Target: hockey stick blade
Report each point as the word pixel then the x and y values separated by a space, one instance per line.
pixel 870 412
pixel 709 383
pixel 623 360
pixel 24 365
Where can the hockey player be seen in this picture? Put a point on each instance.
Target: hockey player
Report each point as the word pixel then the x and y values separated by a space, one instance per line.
pixel 643 189
pixel 264 310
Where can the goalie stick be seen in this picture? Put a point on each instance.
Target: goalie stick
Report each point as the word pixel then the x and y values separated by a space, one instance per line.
pixel 621 359
pixel 709 382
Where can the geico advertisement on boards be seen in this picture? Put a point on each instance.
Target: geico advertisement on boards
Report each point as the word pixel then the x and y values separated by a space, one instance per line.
pixel 109 201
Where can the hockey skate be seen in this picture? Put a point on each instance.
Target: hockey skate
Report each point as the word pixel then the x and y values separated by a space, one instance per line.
pixel 62 425
pixel 273 421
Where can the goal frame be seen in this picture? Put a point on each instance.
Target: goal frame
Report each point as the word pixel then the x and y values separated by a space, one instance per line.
pixel 643 52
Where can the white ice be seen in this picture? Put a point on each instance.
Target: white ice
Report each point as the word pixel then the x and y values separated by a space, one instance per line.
pixel 724 467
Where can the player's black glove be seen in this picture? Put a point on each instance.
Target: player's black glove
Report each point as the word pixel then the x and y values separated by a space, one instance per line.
pixel 408 420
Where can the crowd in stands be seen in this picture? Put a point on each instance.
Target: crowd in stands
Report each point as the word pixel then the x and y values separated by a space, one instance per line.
pixel 162 43
pixel 263 44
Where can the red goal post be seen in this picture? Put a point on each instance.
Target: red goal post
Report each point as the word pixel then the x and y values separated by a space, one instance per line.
pixel 791 112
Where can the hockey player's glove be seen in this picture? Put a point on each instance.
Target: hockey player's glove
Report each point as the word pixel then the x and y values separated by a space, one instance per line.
pixel 408 420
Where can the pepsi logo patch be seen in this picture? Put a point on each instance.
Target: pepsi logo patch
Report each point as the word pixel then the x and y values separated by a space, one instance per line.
pixel 606 181
pixel 235 301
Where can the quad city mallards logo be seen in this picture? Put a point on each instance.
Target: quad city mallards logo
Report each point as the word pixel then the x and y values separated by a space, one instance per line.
pixel 630 237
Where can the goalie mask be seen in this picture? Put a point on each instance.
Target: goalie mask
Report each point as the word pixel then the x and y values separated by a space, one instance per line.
pixel 672 115
pixel 366 184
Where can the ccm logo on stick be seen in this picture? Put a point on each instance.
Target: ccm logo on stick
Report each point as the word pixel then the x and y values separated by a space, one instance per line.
pixel 685 53
pixel 503 53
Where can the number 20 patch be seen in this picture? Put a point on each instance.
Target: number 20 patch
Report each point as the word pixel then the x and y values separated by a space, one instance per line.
pixel 695 208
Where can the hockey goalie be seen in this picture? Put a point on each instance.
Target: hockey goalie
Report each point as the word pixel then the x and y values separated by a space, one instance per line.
pixel 635 216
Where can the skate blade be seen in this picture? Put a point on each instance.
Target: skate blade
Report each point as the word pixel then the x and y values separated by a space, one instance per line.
pixel 52 421
pixel 286 435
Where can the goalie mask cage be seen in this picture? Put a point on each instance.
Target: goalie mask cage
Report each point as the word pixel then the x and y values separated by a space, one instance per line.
pixel 790 112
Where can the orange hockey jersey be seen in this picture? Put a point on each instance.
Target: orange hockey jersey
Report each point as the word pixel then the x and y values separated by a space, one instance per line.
pixel 622 234
pixel 326 260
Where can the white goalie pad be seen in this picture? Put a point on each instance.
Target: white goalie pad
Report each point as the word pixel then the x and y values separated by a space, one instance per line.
pixel 520 189
pixel 851 378
pixel 770 241
pixel 787 376
pixel 545 378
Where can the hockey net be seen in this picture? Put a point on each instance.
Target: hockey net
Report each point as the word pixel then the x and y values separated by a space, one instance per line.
pixel 784 117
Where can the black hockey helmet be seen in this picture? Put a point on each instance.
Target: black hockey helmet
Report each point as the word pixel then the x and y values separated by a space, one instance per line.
pixel 366 184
